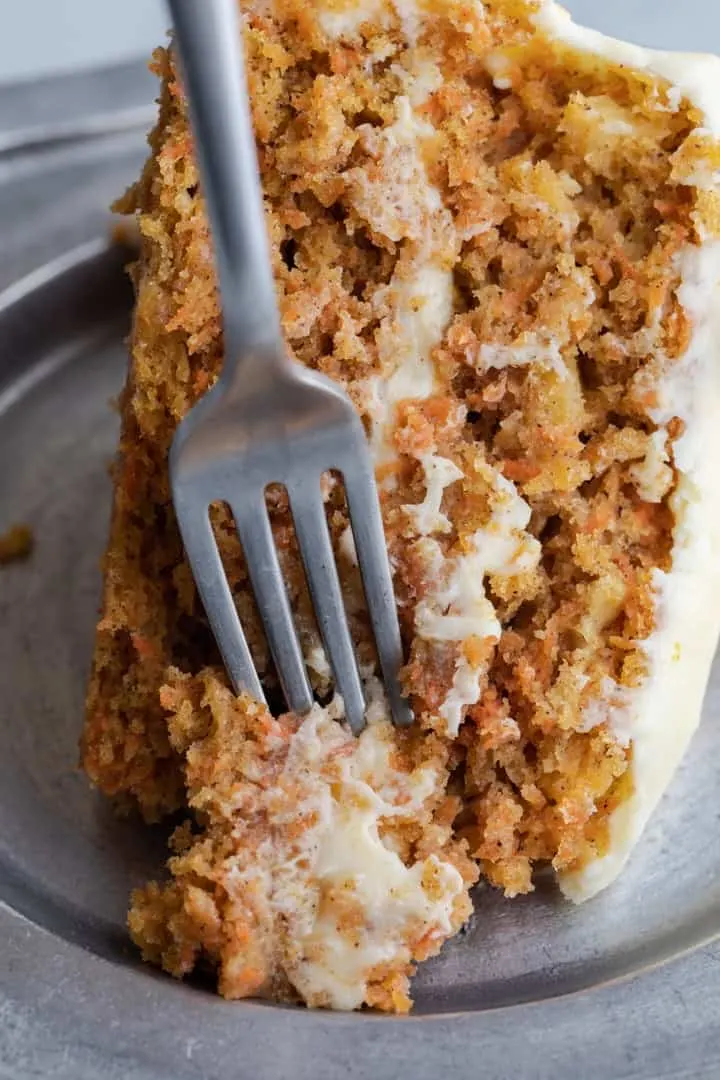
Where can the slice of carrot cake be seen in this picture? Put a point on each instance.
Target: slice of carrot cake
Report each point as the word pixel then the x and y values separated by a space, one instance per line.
pixel 501 234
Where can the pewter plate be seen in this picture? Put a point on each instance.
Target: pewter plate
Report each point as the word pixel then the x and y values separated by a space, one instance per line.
pixel 625 986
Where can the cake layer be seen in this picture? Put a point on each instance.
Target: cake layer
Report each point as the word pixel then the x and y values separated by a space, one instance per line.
pixel 501 234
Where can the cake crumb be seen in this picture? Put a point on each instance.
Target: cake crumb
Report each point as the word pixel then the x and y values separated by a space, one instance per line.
pixel 16 544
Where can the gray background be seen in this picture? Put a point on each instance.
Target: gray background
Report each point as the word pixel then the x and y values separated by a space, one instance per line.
pixel 47 36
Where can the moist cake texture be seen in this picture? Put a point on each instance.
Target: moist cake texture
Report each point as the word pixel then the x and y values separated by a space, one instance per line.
pixel 501 234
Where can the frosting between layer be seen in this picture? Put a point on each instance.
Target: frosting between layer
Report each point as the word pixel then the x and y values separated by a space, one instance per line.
pixel 658 719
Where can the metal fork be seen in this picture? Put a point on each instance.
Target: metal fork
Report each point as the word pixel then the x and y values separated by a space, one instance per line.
pixel 267 420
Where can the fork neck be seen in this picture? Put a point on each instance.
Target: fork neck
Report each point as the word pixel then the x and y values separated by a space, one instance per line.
pixel 258 368
pixel 251 326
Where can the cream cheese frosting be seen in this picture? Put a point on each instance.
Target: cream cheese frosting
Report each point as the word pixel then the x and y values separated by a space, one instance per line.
pixel 659 718
pixel 695 76
pixel 340 864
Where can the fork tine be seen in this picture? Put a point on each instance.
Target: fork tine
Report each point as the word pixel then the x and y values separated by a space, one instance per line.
pixel 253 525
pixel 366 521
pixel 319 561
pixel 212 585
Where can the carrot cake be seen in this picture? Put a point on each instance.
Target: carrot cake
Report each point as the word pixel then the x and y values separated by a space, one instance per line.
pixel 501 233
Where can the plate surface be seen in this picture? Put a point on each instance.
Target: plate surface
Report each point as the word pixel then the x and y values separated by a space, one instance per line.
pixel 502 1000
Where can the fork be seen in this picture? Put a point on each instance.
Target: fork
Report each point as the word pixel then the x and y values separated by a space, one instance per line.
pixel 268 420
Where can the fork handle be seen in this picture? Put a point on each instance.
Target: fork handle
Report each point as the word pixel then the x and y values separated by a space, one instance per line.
pixel 209 39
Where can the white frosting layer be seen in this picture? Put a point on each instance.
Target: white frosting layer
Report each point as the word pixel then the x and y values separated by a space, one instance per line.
pixel 349 901
pixel 347 21
pixel 694 76
pixel 522 353
pixel 440 473
pixel 660 718
pixel 458 608
pixel 420 294
pixel 421 299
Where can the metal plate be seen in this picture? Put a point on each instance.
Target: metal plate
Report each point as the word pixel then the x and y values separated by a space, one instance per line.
pixel 529 990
